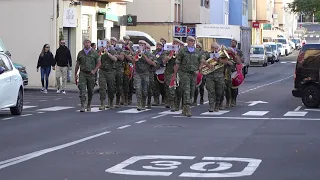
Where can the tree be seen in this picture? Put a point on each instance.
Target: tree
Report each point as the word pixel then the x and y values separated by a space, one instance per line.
pixel 304 6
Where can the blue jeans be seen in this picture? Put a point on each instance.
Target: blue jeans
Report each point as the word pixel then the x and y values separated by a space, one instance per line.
pixel 45 71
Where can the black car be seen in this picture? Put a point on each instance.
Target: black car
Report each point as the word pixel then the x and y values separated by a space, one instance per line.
pixel 306 78
pixel 270 55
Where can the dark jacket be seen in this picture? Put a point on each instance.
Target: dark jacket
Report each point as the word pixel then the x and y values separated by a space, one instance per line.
pixel 46 60
pixel 63 57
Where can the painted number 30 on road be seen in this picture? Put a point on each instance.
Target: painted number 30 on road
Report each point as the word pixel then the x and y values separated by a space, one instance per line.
pixel 162 165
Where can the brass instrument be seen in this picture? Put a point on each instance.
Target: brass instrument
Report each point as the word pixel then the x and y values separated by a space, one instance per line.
pixel 174 55
pixel 140 55
pixel 216 65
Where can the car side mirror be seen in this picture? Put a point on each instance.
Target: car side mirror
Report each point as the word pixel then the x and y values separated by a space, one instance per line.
pixel 2 70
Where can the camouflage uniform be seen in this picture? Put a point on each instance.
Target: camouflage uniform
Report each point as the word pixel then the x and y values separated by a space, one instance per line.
pixel 200 89
pixel 131 85
pixel 119 77
pixel 235 91
pixel 141 80
pixel 189 63
pixel 227 88
pixel 151 87
pixel 215 87
pixel 107 79
pixel 158 86
pixel 170 92
pixel 87 63
pixel 126 80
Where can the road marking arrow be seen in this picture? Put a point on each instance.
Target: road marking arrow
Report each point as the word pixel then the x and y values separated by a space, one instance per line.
pixel 252 103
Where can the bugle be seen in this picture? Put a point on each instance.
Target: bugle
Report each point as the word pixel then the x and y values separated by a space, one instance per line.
pixel 216 65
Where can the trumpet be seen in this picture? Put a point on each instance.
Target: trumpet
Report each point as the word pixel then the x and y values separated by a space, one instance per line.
pixel 140 55
pixel 216 65
pixel 172 54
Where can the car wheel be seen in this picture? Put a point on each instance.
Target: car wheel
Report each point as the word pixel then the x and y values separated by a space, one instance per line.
pixel 286 53
pixel 311 97
pixel 17 110
pixel 273 60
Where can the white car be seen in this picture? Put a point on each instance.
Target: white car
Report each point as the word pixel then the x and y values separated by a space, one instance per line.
pixel 285 44
pixel 281 49
pixel 11 86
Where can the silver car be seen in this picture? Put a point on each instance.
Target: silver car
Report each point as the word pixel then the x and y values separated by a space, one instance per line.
pixel 258 56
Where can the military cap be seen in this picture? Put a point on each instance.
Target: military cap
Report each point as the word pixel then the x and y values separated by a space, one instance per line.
pixel 215 45
pixel 190 38
pixel 106 39
pixel 175 40
pixel 121 41
pixel 126 37
pixel 159 43
pixel 142 42
pixel 181 42
pixel 199 44
pixel 162 39
pixel 86 39
pixel 114 39
pixel 234 40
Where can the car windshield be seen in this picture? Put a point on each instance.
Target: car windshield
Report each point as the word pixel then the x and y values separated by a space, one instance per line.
pixel 257 50
pixel 273 47
pixel 279 45
pixel 2 47
pixel 268 48
pixel 283 41
pixel 296 40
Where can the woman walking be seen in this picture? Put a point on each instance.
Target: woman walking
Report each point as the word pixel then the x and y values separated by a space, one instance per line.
pixel 45 61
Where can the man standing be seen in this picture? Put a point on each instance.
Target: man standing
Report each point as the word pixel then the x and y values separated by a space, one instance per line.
pixel 63 61
pixel 158 87
pixel 187 64
pixel 88 61
pixel 203 82
pixel 143 60
pixel 106 76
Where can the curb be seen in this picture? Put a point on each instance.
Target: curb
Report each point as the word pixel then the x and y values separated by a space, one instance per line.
pixel 28 89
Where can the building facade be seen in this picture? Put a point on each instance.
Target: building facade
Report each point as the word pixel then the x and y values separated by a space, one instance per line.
pixel 238 12
pixel 159 18
pixel 54 20
pixel 219 12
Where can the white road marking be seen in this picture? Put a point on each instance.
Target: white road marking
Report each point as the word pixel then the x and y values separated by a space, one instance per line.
pixel 312 109
pixel 215 113
pixel 57 99
pixel 305 35
pixel 24 107
pixel 317 36
pixel 43 100
pixel 40 112
pixel 295 113
pixel 255 113
pixel 252 89
pixel 55 108
pixel 293 62
pixel 8 118
pixel 298 108
pixel 311 36
pixel 282 62
pixel 248 118
pixel 125 126
pixel 133 111
pixel 26 115
pixel 94 110
pixel 169 112
pixel 161 115
pixel 139 122
pixel 16 160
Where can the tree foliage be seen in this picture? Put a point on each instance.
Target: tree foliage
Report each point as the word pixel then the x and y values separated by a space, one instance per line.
pixel 304 6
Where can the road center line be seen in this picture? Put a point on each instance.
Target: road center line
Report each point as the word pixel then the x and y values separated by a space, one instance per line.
pixel 161 115
pixel 19 159
pixel 298 108
pixel 122 127
pixel 139 122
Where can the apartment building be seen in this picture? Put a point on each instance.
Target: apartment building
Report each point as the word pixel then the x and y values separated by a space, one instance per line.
pixel 219 12
pixel 238 12
pixel 47 21
pixel 169 18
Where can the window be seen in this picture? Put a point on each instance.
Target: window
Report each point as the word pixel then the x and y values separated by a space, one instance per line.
pixel 5 62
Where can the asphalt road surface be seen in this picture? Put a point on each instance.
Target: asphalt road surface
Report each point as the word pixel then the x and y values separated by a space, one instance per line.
pixel 313 32
pixel 269 135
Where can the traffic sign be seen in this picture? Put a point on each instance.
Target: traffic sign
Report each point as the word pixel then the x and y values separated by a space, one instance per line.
pixel 180 31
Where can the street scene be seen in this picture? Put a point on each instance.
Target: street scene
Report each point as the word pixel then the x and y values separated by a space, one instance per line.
pixel 70 118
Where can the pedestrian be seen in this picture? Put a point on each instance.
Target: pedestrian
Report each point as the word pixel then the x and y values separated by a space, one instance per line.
pixel 45 61
pixel 200 89
pixel 88 61
pixel 143 60
pixel 63 61
pixel 107 76
pixel 187 64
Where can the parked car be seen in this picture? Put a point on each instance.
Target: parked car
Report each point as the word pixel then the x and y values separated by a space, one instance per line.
pixel 11 86
pixel 275 50
pixel 306 77
pixel 258 55
pixel 285 44
pixel 297 42
pixel 281 49
pixel 269 53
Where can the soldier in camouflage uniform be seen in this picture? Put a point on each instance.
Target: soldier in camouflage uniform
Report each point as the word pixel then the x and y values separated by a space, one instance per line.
pixel 158 89
pixel 119 71
pixel 152 70
pixel 88 61
pixel 215 80
pixel 187 65
pixel 203 82
pixel 141 77
pixel 106 76
pixel 131 87
pixel 239 59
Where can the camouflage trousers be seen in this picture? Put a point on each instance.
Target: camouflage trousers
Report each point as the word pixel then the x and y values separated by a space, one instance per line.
pixel 159 89
pixel 227 91
pixel 125 84
pixel 215 88
pixel 86 84
pixel 106 79
pixel 119 82
pixel 151 87
pixel 187 84
pixel 141 84
pixel 170 92
pixel 200 90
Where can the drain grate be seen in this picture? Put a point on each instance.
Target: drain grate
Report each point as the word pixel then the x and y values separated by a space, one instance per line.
pixel 167 126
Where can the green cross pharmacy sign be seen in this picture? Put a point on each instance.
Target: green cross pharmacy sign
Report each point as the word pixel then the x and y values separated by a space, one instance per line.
pixel 130 20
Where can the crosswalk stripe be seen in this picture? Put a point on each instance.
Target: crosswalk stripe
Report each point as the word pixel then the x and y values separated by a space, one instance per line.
pixel 215 113
pixel 305 35
pixel 24 107
pixel 317 36
pixel 255 113
pixel 311 36
pixel 295 113
pixel 55 108
pixel 169 112
pixel 133 111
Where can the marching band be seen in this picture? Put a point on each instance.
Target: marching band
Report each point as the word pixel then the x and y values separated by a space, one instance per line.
pixel 176 72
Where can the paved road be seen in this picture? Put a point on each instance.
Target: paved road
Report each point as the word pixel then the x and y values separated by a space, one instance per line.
pixel 313 32
pixel 277 138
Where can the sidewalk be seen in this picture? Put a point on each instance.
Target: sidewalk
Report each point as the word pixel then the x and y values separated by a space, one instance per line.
pixel 72 88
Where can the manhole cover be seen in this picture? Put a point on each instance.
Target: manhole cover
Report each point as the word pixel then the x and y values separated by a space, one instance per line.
pixel 168 126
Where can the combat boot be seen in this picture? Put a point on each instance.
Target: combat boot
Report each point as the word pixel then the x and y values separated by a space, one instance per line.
pixel 111 104
pixel 89 106
pixel 188 111
pixel 228 104
pixel 117 102
pixel 125 103
pixel 211 107
pixel 143 103
pixel 173 109
pixel 216 109
pixel 184 110
pixel 122 99
pixel 102 107
pixel 176 106
pixel 83 108
pixel 149 103
pixel 221 106
pixel 233 103
pixel 163 101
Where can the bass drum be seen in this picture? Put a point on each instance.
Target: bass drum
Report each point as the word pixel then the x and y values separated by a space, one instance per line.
pixel 160 78
pixel 199 79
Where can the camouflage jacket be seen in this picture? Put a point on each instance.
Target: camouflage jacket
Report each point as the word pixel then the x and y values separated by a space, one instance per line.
pixel 119 64
pixel 107 63
pixel 189 61
pixel 87 62
pixel 142 65
pixel 159 59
